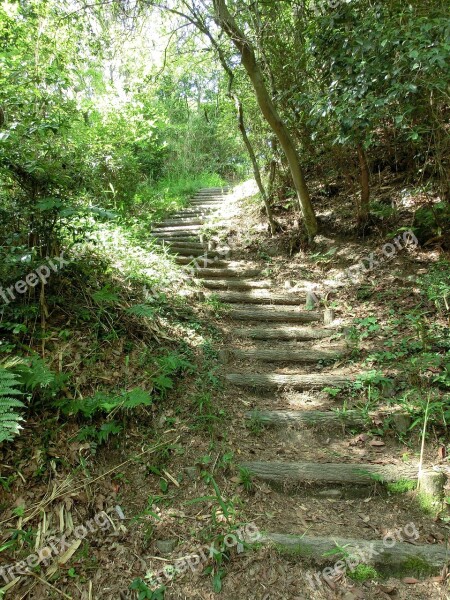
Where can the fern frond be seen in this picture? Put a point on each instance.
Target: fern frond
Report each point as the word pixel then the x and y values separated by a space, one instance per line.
pixel 10 418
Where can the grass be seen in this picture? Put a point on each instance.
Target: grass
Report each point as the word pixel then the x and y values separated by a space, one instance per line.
pixel 171 194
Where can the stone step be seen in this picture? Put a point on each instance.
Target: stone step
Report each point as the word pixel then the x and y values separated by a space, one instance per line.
pixel 276 381
pixel 285 354
pixel 244 313
pixel 389 556
pixel 261 297
pixel 284 333
pixel 235 284
pixel 339 473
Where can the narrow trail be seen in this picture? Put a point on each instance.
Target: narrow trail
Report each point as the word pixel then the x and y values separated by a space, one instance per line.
pixel 278 345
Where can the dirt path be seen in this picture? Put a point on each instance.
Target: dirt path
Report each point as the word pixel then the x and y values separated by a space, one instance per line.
pixel 320 498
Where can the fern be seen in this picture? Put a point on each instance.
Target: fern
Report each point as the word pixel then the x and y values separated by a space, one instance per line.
pixel 10 417
pixel 142 310
pixel 102 402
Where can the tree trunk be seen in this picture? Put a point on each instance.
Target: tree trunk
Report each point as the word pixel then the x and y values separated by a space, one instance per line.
pixel 269 111
pixel 256 170
pixel 363 212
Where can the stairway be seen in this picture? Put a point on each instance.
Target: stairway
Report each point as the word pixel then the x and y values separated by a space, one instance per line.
pixel 282 346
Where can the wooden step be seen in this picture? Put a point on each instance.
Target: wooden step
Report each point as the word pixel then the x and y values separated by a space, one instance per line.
pixel 400 558
pixel 243 313
pixel 203 262
pixel 311 418
pixel 181 221
pixel 175 239
pixel 220 190
pixel 235 284
pixel 261 297
pixel 224 273
pixel 284 333
pixel 183 229
pixel 200 204
pixel 195 252
pixel 190 235
pixel 194 213
pixel 398 420
pixel 336 473
pixel 307 381
pixel 188 244
pixel 285 354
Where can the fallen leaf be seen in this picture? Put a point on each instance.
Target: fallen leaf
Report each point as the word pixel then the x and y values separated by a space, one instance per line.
pixel 410 580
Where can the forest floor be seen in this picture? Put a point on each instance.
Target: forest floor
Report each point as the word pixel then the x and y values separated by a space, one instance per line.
pixel 172 484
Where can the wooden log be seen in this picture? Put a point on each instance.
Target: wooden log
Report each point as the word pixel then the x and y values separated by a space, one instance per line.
pixel 178 229
pixel 173 235
pixel 235 284
pixel 209 263
pixel 328 316
pixel 275 315
pixel 181 221
pixel 313 418
pixel 285 354
pixel 195 252
pixel 199 204
pixel 336 473
pixel 284 333
pixel 386 555
pixel 330 418
pixel 261 297
pixel 193 212
pixel 269 381
pixel 224 272
pixel 188 244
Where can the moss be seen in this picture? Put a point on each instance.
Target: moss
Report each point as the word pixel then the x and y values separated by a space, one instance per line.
pixel 402 486
pixel 363 573
pixel 298 550
pixel 418 567
pixel 428 503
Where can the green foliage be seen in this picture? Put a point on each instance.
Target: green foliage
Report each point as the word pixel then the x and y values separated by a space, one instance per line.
pixel 436 285
pixel 10 389
pixel 105 403
pixel 145 593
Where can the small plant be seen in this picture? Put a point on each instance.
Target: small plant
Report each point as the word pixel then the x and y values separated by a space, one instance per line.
pixel 255 424
pixel 145 593
pixel 245 478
